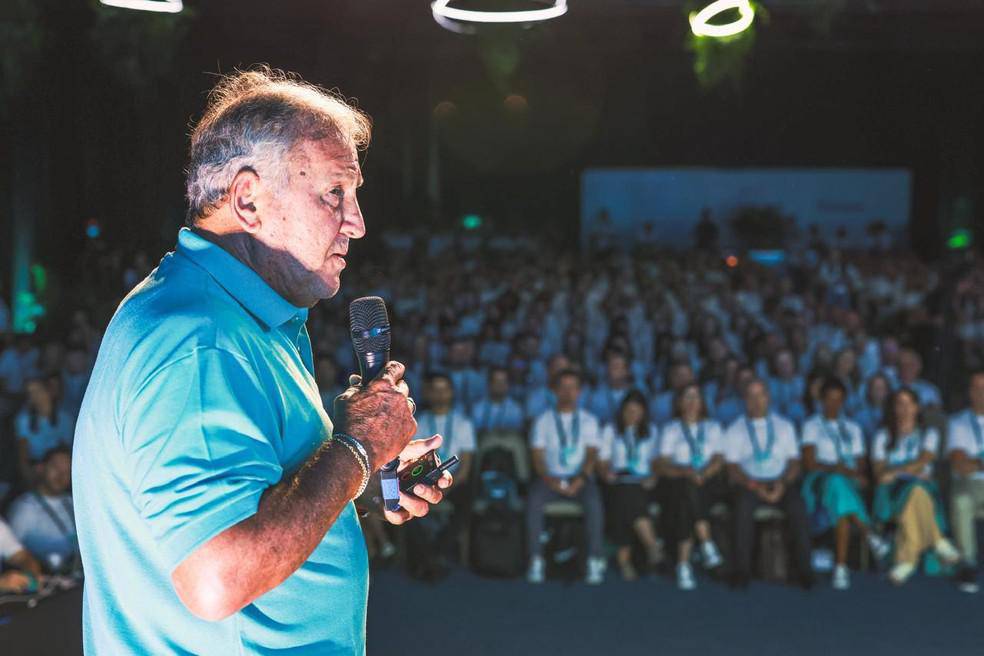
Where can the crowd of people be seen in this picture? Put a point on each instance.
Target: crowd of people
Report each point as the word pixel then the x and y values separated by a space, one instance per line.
pixel 656 392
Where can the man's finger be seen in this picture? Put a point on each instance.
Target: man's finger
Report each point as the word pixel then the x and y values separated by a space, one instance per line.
pixel 445 481
pixel 416 507
pixel 403 388
pixel 391 374
pixel 401 516
pixel 428 493
pixel 418 448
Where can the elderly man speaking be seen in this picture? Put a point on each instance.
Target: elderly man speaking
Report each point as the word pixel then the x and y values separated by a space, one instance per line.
pixel 213 494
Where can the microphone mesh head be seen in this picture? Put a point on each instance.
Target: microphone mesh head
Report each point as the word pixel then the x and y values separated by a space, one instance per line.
pixel 370 325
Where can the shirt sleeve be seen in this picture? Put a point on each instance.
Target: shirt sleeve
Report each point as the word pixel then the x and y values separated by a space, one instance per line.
pixel 956 437
pixel 605 443
pixel 9 545
pixel 201 442
pixel 810 433
pixel 731 447
pixel 932 442
pixel 594 437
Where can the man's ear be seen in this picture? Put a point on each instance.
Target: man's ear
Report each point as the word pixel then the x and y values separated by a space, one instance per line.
pixel 243 194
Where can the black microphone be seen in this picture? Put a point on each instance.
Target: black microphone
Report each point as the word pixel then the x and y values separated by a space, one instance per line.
pixel 371 340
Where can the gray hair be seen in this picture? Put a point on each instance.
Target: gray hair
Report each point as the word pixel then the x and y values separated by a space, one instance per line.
pixel 252 120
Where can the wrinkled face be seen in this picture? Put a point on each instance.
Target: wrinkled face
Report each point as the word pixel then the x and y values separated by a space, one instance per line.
pixel 976 391
pixel 307 223
pixel 632 413
pixel 57 473
pixel 756 399
pixel 906 409
pixel 439 393
pixel 498 384
pixel 832 402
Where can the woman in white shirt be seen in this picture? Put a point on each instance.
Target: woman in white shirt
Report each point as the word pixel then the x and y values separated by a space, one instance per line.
pixel 629 449
pixel 903 454
pixel 692 459
pixel 834 456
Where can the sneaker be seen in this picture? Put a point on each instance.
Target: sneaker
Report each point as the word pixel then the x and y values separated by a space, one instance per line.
pixel 596 571
pixel 946 551
pixel 967 580
pixel 842 578
pixel 901 573
pixel 537 571
pixel 685 577
pixel 880 548
pixel 712 557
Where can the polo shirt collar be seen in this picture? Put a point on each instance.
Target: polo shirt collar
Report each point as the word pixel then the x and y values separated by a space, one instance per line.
pixel 242 283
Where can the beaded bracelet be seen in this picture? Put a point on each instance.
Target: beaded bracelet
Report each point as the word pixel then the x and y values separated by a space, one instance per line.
pixel 356 449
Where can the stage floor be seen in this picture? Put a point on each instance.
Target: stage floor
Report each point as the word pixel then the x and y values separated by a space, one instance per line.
pixel 465 614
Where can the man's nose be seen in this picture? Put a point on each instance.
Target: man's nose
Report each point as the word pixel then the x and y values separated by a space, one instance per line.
pixel 353 225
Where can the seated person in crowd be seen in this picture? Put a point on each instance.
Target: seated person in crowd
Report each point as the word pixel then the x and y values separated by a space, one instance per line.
pixel 786 387
pixel 764 463
pixel 871 406
pixel 692 462
pixel 835 460
pixel 441 417
pixel 565 442
pixel 40 426
pixel 43 519
pixel 606 397
pixel 903 453
pixel 19 571
pixel 468 382
pixel 679 376
pixel 910 368
pixel 497 411
pixel 730 404
pixel 540 398
pixel 965 445
pixel 628 451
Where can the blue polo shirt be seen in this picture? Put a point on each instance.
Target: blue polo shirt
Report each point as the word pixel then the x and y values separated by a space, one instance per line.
pixel 201 398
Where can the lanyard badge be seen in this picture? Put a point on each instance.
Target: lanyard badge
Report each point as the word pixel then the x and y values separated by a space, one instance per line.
pixel 568 444
pixel 762 455
pixel 696 443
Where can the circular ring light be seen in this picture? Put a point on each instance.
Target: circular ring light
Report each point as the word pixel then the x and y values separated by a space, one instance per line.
pixel 165 6
pixel 701 26
pixel 441 10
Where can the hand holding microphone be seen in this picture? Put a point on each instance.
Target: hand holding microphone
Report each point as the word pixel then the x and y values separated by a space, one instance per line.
pixel 379 413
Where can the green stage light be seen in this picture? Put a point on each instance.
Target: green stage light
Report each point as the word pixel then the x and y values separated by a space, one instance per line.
pixel 471 222
pixel 960 239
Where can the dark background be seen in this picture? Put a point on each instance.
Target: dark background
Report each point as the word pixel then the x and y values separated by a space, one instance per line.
pixel 98 102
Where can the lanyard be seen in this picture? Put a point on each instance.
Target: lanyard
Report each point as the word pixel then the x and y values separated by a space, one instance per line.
pixel 912 446
pixel 975 425
pixel 631 443
pixel 761 455
pixel 568 444
pixel 448 434
pixel 59 524
pixel 696 443
pixel 841 440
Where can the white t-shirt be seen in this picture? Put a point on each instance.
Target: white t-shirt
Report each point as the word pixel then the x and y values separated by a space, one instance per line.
pixel 827 436
pixel 675 443
pixel 565 449
pixel 626 453
pixel 9 545
pixel 962 436
pixel 454 427
pixel 38 530
pixel 907 449
pixel 762 454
